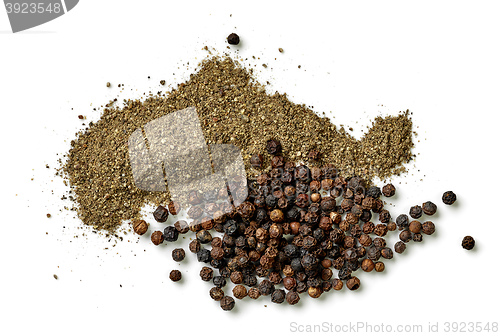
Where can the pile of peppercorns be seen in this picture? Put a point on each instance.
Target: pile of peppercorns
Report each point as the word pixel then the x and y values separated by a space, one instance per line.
pixel 297 226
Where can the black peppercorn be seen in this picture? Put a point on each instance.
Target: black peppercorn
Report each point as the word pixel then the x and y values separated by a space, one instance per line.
pixel 206 273
pixel 266 287
pixel 157 237
pixel 367 265
pixel 386 253
pixel 194 246
pixel 181 226
pixel 175 275
pixel 227 303
pixel 278 296
pixel 253 293
pixel 428 227
pixel 384 216
pixel 429 208
pixel 204 236
pixel 402 221
pixel 219 281
pixel 216 293
pixel 337 284
pixel 178 254
pixel 416 211
pixel 161 214
pixel 170 234
pixel 233 39
pixel 449 197
pixel 468 243
pixel 417 237
pixel 374 192
pixel 405 236
pixel 256 160
pixel 353 283
pixel 292 297
pixel 239 291
pixel 273 147
pixel 399 247
pixel 203 255
pixel 389 190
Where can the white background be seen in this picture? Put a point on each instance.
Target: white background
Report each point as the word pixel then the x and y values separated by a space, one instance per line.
pixel 358 60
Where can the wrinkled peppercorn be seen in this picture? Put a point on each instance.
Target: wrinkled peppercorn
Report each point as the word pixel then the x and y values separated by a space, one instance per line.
pixel 227 303
pixel 417 237
pixel 266 287
pixel 379 266
pixel 353 283
pixel 416 211
pixel 204 236
pixel 253 293
pixel 337 284
pixel 170 234
pixel 239 291
pixel 391 226
pixel 384 216
pixel 178 254
pixel 402 221
pixel 389 190
pixel 405 236
pixel 374 192
pixel 140 226
pixel 292 297
pixel 386 253
pixel 194 246
pixel 157 237
pixel 399 247
pixel 256 160
pixel 468 243
pixel 429 208
pixel 449 197
pixel 203 255
pixel 428 227
pixel 160 214
pixel 175 275
pixel 380 230
pixel 181 226
pixel 273 147
pixel 233 39
pixel 206 273
pixel 219 281
pixel 278 296
pixel 174 208
pixel 216 293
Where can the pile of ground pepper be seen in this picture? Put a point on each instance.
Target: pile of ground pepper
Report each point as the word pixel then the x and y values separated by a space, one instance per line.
pixel 233 108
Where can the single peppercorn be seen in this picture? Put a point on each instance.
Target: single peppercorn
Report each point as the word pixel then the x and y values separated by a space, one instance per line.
pixel 170 234
pixel 429 208
pixel 278 296
pixel 253 293
pixel 367 265
pixel 415 226
pixel 468 243
pixel 315 292
pixel 157 237
pixel 219 281
pixel 233 39
pixel 374 192
pixel 175 275
pixel 417 237
pixel 416 211
pixel 174 208
pixel 266 287
pixel 239 291
pixel 216 293
pixel 399 247
pixel 194 246
pixel 428 227
pixel 227 303
pixel 337 284
pixel 160 214
pixel 292 297
pixel 389 190
pixel 386 253
pixel 178 254
pixel 140 226
pixel 273 147
pixel 353 283
pixel 203 255
pixel 449 197
pixel 204 236
pixel 256 160
pixel 379 266
pixel 402 221
pixel 206 273
pixel 182 226
pixel 277 216
pixel 384 216
pixel 405 236
pixel 391 226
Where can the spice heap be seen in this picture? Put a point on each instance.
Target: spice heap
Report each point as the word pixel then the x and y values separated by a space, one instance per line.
pixel 233 109
pixel 306 229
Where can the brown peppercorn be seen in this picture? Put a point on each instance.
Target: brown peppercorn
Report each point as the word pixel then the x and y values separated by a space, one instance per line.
pixel 217 253
pixel 181 226
pixel 416 211
pixel 468 243
pixel 256 160
pixel 206 273
pixel 161 214
pixel 289 283
pixel 429 208
pixel 326 274
pixel 335 217
pixel 227 303
pixel 368 227
pixel 391 226
pixel 353 283
pixel 195 246
pixel 277 161
pixel 292 297
pixel 326 263
pixel 389 190
pixel 140 226
pixel 405 236
pixel 384 216
pixel 378 205
pixel 368 203
pixel 178 254
pixel 216 293
pixel 315 292
pixel 337 284
pixel 379 266
pixel 175 275
pixel 236 277
pixel 415 226
pixel 365 240
pixel 294 227
pixel 399 247
pixel 246 210
pixel 417 237
pixel 277 216
pixel 253 293
pixel 273 147
pixel 386 253
pixel 428 227
pixel 367 265
pixel 157 237
pixel 174 208
pixel 315 197
pixel 379 242
pixel 380 230
pixel 239 291
pixel 449 197
pixel 275 278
